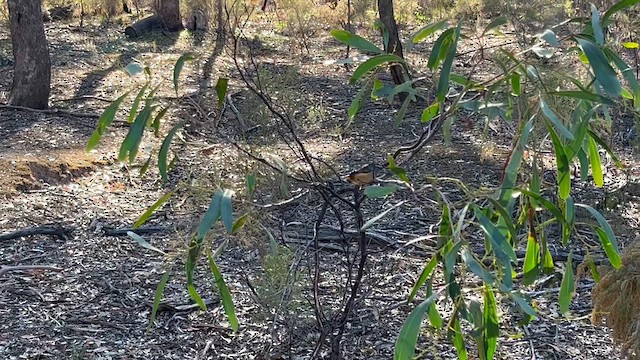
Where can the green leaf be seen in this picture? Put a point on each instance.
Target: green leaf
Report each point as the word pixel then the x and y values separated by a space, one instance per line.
pixel 608 239
pixel 596 166
pixel 356 41
pixel 403 110
pixel 501 246
pixel 523 304
pixel 491 322
pixel 440 49
pixel 221 90
pixel 226 210
pixel 145 167
pixel 408 337
pixel 512 170
pixel 131 142
pixel 605 75
pixel 373 63
pixel 356 105
pixel 596 26
pixel 104 121
pixel 164 150
pixel 443 82
pixel 399 172
pixel 495 24
pixel 193 293
pixel 430 112
pixel 136 104
pixel 147 214
pixel 542 52
pixel 424 276
pixel 550 37
pixel 617 7
pixel 239 223
pixel 567 287
pixel 177 69
pixel 225 294
pixel 376 192
pixel 584 95
pixel 531 260
pixel 211 216
pixel 251 183
pixel 434 316
pixel 551 207
pixel 142 242
pixel 155 124
pixel 476 267
pixel 515 84
pixel 609 248
pixel 158 297
pixel 427 31
pixel 607 149
pixel 564 173
pixel 548 113
pixel 631 45
pixel 458 340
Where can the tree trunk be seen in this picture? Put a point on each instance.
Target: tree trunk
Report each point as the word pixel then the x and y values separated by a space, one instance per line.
pixel 169 12
pixel 32 70
pixel 385 9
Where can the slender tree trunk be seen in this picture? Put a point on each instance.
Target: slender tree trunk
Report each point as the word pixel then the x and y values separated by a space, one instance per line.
pixel 169 12
pixel 385 9
pixel 32 70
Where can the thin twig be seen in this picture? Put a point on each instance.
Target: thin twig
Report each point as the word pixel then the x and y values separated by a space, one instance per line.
pixel 59 231
pixel 51 111
pixel 6 269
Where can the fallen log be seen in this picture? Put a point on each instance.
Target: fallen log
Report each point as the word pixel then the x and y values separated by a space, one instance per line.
pixel 144 26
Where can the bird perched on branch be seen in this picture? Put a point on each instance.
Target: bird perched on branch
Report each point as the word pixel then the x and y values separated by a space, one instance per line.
pixel 366 175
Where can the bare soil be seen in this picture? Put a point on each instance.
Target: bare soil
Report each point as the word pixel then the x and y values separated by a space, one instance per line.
pixel 98 305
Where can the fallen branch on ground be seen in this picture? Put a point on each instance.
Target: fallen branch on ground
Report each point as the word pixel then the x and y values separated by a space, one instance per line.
pixel 6 269
pixel 59 231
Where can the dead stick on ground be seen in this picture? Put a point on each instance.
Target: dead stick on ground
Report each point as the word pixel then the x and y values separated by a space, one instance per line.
pixel 6 269
pixel 52 111
pixel 59 231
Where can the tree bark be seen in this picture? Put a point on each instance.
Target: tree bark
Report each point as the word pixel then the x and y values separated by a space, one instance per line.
pixel 143 26
pixel 385 9
pixel 32 70
pixel 169 12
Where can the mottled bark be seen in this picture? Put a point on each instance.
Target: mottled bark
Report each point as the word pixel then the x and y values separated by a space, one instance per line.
pixel 169 12
pixel 32 70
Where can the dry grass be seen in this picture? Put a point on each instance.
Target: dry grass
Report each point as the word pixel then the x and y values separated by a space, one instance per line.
pixel 616 302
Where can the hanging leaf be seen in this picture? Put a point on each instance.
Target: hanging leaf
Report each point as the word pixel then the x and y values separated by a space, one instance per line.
pixel 424 276
pixel 211 216
pixel 250 183
pixel 356 41
pixel 377 192
pixel 499 21
pixel 596 166
pixel 427 31
pixel 476 267
pixel 136 104
pixel 239 224
pixel 531 260
pixel 491 322
pixel 373 63
pixel 607 237
pixel 440 49
pixel 375 219
pixel 225 294
pixel 605 75
pixel 164 150
pixel 443 82
pixel 584 95
pixel 226 210
pixel 567 287
pixel 142 242
pixel 177 69
pixel 430 112
pixel 434 316
pixel 408 337
pixel 458 340
pixel 222 85
pixel 562 164
pixel 523 304
pixel 515 84
pixel 152 209
pixel 512 170
pixel 617 7
pixel 132 140
pixel 155 124
pixel 104 121
pixel 548 113
pixel 503 250
pixel 596 26
pixel 157 297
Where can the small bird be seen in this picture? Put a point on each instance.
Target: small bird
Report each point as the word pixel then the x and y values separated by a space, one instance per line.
pixel 365 176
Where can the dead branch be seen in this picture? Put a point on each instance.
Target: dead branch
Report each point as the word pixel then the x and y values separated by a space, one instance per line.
pixel 50 111
pixel 59 231
pixel 6 269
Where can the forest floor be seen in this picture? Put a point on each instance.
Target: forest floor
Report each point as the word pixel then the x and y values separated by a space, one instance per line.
pixel 95 301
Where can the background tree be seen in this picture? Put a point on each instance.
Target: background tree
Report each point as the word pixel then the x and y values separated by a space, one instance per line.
pixel 32 71
pixel 392 44
pixel 169 12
